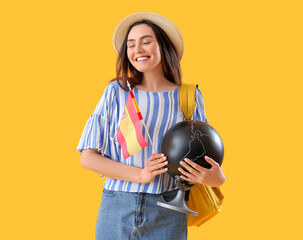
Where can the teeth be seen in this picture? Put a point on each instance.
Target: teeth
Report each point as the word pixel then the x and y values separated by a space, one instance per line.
pixel 141 58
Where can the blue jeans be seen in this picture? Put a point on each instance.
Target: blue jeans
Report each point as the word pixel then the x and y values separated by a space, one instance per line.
pixel 125 215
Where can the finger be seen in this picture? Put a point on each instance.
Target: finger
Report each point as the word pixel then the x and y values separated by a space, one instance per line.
pixel 160 171
pixel 187 174
pixel 157 161
pixel 186 178
pixel 195 165
pixel 211 162
pixel 158 166
pixel 189 168
pixel 157 156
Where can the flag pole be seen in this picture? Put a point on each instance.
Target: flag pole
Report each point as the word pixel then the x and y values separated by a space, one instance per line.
pixel 148 136
pixel 144 124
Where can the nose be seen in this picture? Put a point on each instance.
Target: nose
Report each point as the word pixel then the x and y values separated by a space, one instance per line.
pixel 139 48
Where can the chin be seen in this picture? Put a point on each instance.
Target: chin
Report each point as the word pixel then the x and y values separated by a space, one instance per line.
pixel 144 69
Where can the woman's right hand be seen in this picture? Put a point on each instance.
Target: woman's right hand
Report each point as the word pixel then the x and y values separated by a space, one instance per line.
pixel 154 166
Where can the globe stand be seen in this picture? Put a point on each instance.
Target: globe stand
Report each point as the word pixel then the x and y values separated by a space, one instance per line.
pixel 178 203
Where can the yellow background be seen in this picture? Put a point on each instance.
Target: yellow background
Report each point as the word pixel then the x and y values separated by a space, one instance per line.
pixel 56 59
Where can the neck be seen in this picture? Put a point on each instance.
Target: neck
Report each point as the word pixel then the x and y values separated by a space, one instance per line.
pixel 154 80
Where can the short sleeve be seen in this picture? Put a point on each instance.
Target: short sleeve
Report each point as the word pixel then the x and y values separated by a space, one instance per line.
pixel 97 133
pixel 199 113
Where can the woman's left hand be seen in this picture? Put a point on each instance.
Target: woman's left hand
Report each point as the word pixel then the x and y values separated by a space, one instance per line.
pixel 213 177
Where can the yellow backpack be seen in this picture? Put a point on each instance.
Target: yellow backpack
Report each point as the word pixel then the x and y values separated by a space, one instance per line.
pixel 205 200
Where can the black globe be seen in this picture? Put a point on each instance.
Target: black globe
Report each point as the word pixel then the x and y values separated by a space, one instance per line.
pixel 193 140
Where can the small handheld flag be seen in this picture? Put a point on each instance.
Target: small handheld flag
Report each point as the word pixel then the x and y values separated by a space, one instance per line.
pixel 129 134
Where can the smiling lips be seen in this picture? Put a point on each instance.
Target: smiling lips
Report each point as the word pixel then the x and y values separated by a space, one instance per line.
pixel 142 59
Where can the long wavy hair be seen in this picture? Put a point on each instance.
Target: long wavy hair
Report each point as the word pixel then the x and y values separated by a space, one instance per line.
pixel 169 59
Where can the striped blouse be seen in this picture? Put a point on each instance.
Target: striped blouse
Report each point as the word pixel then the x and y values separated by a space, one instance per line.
pixel 160 111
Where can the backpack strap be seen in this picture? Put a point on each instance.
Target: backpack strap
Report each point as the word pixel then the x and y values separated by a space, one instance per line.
pixel 187 99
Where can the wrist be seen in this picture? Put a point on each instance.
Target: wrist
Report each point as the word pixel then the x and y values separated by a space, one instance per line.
pixel 220 182
pixel 140 176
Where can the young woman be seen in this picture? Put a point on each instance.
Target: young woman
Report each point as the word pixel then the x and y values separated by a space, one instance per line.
pixel 149 49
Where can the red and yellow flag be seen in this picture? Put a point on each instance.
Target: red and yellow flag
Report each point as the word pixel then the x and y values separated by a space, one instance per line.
pixel 129 134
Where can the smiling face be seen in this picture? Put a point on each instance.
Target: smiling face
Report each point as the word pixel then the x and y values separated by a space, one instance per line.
pixel 143 49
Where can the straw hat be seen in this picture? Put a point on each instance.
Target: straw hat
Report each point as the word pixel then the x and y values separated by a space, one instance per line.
pixel 170 29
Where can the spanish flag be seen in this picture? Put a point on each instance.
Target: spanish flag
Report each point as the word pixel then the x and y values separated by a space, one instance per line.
pixel 129 134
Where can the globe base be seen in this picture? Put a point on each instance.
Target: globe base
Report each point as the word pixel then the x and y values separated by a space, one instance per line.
pixel 177 204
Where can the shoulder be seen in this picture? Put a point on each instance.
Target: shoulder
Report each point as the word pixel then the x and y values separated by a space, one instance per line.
pixel 111 88
pixel 108 98
pixel 198 93
pixel 114 88
pixel 199 99
pixel 113 95
pixel 112 91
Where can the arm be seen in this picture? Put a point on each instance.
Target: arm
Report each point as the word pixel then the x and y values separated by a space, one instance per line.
pixel 91 159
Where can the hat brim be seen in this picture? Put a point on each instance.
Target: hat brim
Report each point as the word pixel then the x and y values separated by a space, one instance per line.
pixel 170 29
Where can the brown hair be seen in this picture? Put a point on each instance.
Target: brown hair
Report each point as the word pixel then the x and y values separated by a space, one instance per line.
pixel 170 59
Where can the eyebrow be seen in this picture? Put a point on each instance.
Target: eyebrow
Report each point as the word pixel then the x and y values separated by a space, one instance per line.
pixel 145 36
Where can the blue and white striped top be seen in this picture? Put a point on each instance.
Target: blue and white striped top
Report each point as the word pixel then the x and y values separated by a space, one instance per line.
pixel 160 111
